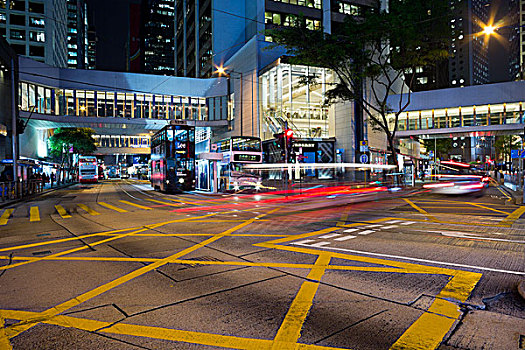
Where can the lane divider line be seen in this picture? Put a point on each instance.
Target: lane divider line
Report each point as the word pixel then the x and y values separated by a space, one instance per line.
pixel 34 214
pixel 5 216
pixel 112 207
pixel 136 205
pixel 62 212
pixel 88 209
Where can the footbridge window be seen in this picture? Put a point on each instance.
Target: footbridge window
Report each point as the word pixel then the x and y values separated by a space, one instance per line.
pixel 131 105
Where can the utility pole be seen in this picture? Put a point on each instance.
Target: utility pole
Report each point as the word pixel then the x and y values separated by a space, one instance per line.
pixel 14 128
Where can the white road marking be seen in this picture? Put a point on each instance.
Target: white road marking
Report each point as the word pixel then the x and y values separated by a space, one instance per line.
pixel 408 223
pixel 427 261
pixel 345 238
pixel 330 236
pixel 388 227
pixel 471 236
pixel 373 226
pixel 366 232
pixel 351 230
pixel 392 222
pixel 306 241
pixel 320 244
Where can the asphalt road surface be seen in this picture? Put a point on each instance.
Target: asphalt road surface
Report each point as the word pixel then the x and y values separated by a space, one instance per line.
pixel 115 265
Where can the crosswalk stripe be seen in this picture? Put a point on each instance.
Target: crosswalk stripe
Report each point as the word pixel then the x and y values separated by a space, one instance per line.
pixel 5 216
pixel 62 212
pixel 366 232
pixel 408 223
pixel 305 241
pixel 351 230
pixel 330 236
pixel 388 227
pixel 109 206
pixel 88 209
pixel 392 222
pixel 161 202
pixel 345 238
pixel 34 214
pixel 373 226
pixel 136 205
pixel 183 201
pixel 320 244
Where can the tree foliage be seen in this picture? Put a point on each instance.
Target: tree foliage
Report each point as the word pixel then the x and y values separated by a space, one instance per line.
pixel 503 146
pixel 379 51
pixel 440 146
pixel 81 139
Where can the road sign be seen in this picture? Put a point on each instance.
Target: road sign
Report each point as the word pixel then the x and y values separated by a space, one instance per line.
pixel 363 146
pixel 517 153
pixel 364 158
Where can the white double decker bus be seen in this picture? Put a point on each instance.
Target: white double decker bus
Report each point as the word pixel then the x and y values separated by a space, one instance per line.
pixel 236 152
pixel 87 169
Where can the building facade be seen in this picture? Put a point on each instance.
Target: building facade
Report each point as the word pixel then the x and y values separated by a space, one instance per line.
pixel 8 98
pixel 159 37
pixel 77 30
pixel 36 29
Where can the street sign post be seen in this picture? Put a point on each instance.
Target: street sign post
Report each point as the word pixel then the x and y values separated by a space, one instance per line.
pixel 363 146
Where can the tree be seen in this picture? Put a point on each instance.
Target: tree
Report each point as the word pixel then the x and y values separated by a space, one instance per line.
pixel 504 144
pixel 81 139
pixel 378 52
pixel 440 146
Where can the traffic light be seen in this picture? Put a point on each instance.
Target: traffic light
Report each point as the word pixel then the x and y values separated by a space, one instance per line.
pixel 288 133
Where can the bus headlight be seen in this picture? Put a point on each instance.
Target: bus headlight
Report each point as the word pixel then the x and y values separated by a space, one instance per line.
pixel 168 182
pixel 181 180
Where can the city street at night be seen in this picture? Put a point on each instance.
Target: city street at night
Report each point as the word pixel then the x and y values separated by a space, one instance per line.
pixel 116 265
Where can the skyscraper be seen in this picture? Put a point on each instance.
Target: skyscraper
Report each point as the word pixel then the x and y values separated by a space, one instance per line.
pixel 159 37
pixel 77 27
pixel 36 29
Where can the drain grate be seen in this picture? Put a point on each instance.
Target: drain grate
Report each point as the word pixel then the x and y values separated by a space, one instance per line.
pixel 44 252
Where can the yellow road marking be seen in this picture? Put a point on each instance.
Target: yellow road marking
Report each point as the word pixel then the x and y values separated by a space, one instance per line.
pixel 343 219
pixel 515 215
pixel 34 214
pixel 430 217
pixel 112 207
pixel 88 209
pixel 506 195
pixel 429 330
pixel 5 216
pixel 4 340
pixel 165 203
pixel 182 201
pixel 62 212
pixel 290 329
pixel 14 330
pixel 136 205
pixel 491 209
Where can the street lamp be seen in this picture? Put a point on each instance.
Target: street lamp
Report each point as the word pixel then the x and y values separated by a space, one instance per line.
pixel 221 71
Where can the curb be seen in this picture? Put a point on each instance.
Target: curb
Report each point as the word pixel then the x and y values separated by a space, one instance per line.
pixel 23 199
pixel 521 288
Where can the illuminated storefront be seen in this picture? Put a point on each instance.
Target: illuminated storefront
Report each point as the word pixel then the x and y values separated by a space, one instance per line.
pixel 285 99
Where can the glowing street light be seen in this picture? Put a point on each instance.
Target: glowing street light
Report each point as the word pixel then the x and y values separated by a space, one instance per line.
pixel 489 30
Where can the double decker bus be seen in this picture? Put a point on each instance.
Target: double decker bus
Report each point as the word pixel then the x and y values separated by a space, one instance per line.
pixel 173 158
pixel 87 169
pixel 236 152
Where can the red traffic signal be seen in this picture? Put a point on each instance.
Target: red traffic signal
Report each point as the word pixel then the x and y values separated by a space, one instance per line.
pixel 289 133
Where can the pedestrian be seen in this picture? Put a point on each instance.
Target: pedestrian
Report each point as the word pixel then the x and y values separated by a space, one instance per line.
pixel 53 178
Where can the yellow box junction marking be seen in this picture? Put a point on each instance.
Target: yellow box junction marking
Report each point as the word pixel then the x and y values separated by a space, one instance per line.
pixel 62 212
pixel 136 205
pixel 112 207
pixel 515 215
pixel 4 341
pixel 5 216
pixel 430 217
pixel 34 214
pixel 18 328
pixel 426 333
pixel 88 209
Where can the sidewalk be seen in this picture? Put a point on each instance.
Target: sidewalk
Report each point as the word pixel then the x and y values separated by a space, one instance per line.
pixel 517 196
pixel 47 189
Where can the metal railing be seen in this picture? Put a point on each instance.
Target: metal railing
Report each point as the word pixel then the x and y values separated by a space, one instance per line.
pixel 25 188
